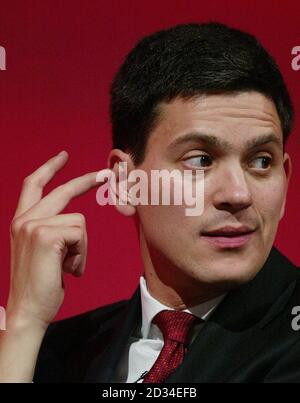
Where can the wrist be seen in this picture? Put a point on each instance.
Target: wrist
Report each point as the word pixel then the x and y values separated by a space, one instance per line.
pixel 19 347
pixel 19 322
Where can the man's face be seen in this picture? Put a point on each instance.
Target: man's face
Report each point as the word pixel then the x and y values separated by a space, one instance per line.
pixel 237 141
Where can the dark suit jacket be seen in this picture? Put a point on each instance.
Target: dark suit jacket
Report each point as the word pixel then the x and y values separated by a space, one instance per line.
pixel 249 337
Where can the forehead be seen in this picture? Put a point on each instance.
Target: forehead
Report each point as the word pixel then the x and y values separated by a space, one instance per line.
pixel 235 118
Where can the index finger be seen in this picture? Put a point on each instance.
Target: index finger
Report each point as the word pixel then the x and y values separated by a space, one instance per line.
pixel 34 184
pixel 55 201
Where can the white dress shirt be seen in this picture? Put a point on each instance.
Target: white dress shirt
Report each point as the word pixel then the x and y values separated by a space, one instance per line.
pixel 146 343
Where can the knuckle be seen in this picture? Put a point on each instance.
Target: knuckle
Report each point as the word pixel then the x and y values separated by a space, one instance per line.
pixel 49 171
pixel 68 192
pixel 30 180
pixel 27 180
pixel 26 228
pixel 15 226
pixel 65 191
pixel 78 233
pixel 41 234
pixel 81 219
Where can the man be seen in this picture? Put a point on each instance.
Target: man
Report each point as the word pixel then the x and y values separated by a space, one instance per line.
pixel 193 97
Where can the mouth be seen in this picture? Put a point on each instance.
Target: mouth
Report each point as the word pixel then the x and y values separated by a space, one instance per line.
pixel 228 237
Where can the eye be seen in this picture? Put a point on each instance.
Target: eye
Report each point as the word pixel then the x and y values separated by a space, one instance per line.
pixel 200 161
pixel 262 162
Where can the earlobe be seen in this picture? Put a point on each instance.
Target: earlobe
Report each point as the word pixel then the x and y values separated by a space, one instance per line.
pixel 282 211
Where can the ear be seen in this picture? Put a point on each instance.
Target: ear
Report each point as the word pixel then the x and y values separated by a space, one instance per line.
pixel 287 164
pixel 121 164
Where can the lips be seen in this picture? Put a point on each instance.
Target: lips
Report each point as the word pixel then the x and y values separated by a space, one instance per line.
pixel 228 237
pixel 229 231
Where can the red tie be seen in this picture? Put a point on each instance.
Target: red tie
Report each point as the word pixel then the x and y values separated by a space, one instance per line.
pixel 175 327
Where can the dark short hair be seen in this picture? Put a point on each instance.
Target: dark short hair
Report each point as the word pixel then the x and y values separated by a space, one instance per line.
pixel 184 61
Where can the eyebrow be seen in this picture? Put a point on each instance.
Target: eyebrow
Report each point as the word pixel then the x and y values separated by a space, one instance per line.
pixel 213 141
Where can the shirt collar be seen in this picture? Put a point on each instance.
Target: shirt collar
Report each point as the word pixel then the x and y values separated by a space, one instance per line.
pixel 151 307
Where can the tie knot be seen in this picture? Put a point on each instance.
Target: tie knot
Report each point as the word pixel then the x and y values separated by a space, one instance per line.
pixel 175 325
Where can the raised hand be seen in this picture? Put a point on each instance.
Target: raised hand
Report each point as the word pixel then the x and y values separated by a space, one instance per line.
pixel 44 245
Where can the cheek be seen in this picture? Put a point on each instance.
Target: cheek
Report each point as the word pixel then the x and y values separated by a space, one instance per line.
pixel 168 229
pixel 162 219
pixel 268 200
pixel 169 218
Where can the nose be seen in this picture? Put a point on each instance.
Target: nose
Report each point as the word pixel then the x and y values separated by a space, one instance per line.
pixel 232 191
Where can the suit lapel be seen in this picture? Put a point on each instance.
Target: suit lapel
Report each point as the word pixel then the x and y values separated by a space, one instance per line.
pixel 103 366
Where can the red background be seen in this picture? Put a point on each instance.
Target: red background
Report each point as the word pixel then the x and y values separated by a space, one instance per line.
pixel 61 57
